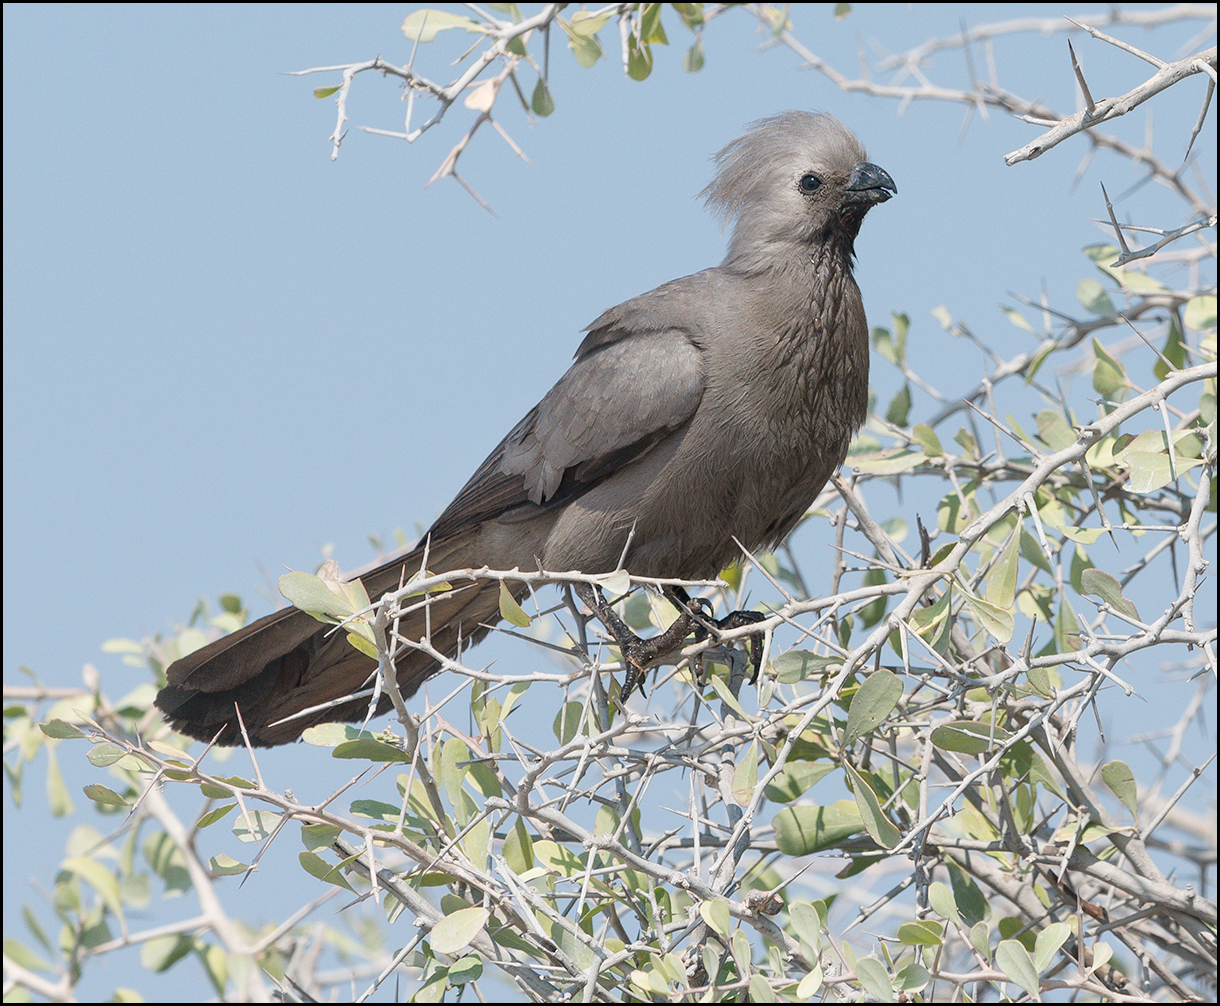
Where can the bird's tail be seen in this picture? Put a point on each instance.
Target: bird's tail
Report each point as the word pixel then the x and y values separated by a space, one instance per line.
pixel 278 667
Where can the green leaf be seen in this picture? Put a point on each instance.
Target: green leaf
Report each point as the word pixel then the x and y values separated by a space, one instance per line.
pixel 902 325
pixel 639 58
pixel 997 620
pixel 310 593
pixel 800 831
pixel 587 23
pixel 716 915
pixel 980 939
pixel 1080 562
pixel 542 103
pixel 368 749
pixel 727 697
pixel 1118 777
pixel 1109 375
pixel 320 869
pixel 1014 960
pixel 795 778
pixel 924 933
pixel 809 985
pixel 778 18
pixel 567 720
pixel 324 92
pixel 1093 298
pixel 651 28
pixel 875 979
pixel 807 923
pixel 226 866
pixel 874 611
pixel 452 752
pixel 1138 282
pixel 477 841
pixel 510 610
pixel 876 698
pixel 1054 431
pixel 1200 313
pixel 615 584
pixel 1067 628
pixel 1045 350
pixel 876 823
pixel 316 837
pixel 1082 535
pixel 1174 352
pixel 759 990
pixel 467 969
pixel 745 776
pixel 104 796
pixel 842 10
pixel 888 462
pixel 1018 319
pixel 940 898
pixel 797 665
pixel 586 48
pixel 60 730
pixel 519 848
pixel 969 444
pixel 967 736
pixel 1102 952
pixel 1047 945
pixel 933 624
pixel 900 407
pixel 558 858
pixel 883 344
pixel 99 877
pixel 423 25
pixel 692 59
pixel 105 755
pixel 740 946
pixel 455 931
pixel 161 953
pixel 1001 586
pixel 255 825
pixel 691 14
pixel 23 955
pixel 1032 552
pixel 941 314
pixel 912 978
pixel 926 437
pixel 214 815
pixel 1099 583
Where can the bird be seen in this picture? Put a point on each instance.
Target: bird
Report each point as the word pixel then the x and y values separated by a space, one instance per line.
pixel 697 419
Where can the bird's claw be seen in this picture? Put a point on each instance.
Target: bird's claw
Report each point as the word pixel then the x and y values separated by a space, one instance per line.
pixel 694 616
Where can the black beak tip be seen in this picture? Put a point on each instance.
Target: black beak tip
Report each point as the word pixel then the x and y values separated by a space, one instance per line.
pixel 871 184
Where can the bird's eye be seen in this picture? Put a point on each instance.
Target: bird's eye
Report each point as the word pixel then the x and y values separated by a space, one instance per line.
pixel 809 183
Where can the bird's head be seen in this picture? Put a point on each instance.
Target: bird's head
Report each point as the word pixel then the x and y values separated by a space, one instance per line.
pixel 795 180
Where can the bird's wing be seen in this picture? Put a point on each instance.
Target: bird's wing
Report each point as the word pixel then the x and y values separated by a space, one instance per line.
pixel 635 381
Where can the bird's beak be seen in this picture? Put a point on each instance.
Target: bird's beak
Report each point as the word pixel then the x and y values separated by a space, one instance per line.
pixel 869 184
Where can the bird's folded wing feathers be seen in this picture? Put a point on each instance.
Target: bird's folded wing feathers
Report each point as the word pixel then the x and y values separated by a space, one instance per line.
pixel 629 388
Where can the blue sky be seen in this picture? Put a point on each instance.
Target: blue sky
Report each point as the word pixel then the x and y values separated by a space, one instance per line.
pixel 224 352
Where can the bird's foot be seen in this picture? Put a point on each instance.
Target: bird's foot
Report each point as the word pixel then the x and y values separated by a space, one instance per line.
pixel 638 654
pixel 706 626
pixel 694 615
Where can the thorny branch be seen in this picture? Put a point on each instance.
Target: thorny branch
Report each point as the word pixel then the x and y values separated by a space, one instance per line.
pixel 595 872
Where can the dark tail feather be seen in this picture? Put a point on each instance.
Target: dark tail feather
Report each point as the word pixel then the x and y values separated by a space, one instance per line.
pixel 288 662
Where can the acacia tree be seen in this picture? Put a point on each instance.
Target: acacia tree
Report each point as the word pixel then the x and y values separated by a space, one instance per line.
pixel 917 714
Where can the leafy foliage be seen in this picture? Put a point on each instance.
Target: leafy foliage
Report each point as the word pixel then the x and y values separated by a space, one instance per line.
pixel 919 708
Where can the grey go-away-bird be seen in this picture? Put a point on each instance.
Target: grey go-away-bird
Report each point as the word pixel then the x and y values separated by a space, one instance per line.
pixel 705 413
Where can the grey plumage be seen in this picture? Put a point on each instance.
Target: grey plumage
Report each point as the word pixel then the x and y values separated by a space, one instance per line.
pixel 712 408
